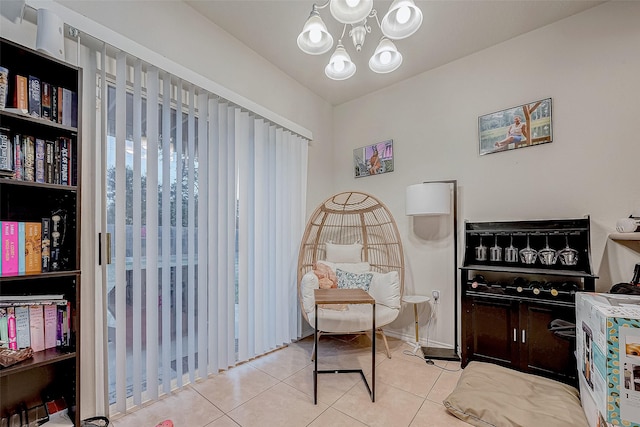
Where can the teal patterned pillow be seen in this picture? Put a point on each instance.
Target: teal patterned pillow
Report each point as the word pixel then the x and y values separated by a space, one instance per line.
pixel 347 280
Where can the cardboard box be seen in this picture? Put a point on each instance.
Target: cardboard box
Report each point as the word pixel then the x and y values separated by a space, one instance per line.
pixel 608 355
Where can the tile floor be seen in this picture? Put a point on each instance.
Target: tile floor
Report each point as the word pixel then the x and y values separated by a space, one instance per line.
pixel 277 390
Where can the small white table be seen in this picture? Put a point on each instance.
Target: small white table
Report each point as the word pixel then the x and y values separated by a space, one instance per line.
pixel 415 300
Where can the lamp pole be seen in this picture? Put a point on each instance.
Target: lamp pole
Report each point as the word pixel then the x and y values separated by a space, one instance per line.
pixel 445 353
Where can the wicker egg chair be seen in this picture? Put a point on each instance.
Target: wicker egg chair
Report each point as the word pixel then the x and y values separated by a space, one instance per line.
pixel 346 218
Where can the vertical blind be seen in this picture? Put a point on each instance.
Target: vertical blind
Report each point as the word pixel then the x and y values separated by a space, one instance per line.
pixel 206 205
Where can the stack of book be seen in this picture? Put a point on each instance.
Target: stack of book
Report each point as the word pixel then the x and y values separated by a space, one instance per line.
pixel 29 158
pixel 37 321
pixel 31 247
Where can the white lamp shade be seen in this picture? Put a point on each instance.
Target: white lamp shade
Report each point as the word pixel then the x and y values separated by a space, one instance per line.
pixel 402 20
pixel 386 58
pixel 50 34
pixel 429 198
pixel 340 66
pixel 350 11
pixel 314 38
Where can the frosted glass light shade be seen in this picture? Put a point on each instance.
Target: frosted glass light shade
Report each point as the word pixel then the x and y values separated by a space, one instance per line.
pixel 340 66
pixel 343 12
pixel 402 20
pixel 314 38
pixel 386 58
pixel 429 198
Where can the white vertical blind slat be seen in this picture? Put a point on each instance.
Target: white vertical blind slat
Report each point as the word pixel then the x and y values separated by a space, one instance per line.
pixel 120 232
pixel 191 244
pixel 225 193
pixel 232 173
pixel 179 232
pixel 137 233
pixel 244 175
pixel 203 143
pixel 259 240
pixel 165 300
pixel 212 240
pixel 151 229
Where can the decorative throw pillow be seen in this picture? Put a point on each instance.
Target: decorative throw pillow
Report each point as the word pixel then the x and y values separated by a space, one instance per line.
pixel 343 253
pixel 325 275
pixel 347 280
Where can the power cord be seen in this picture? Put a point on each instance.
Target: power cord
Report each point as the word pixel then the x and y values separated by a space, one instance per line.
pixel 429 361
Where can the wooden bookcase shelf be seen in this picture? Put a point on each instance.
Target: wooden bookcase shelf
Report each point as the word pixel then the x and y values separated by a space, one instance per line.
pixel 53 372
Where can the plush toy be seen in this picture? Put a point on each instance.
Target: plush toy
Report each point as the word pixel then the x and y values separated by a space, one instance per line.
pixel 326 276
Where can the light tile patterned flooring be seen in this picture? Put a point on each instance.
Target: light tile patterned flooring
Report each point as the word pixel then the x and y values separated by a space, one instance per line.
pixel 277 390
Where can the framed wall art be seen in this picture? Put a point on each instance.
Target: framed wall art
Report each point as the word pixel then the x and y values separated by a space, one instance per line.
pixel 373 159
pixel 517 127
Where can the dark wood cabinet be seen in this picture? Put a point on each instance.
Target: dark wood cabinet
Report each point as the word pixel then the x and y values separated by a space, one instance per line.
pixel 523 315
pixel 54 199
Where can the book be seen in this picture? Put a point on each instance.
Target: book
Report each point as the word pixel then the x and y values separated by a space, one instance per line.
pixel 74 109
pixel 66 106
pixel 35 104
pixel 40 165
pixel 33 247
pixel 6 151
pixel 48 162
pixel 54 103
pixel 29 158
pixel 36 327
pixel 46 244
pixel 56 162
pixel 23 334
pixel 50 325
pixel 20 93
pixel 9 248
pixel 11 328
pixel 33 299
pixel 56 242
pixel 4 328
pixel 21 249
pixel 1 249
pixel 18 167
pixel 46 101
pixel 64 161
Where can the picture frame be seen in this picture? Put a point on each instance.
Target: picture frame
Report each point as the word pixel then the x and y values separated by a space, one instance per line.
pixel 516 127
pixel 374 159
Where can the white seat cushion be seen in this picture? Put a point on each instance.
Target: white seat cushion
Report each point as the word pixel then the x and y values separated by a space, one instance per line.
pixel 357 318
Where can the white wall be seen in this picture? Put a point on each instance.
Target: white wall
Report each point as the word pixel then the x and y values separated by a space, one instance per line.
pixel 589 65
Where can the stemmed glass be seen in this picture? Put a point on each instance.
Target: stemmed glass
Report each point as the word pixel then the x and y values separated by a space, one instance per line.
pixel 481 251
pixel 511 252
pixel 528 255
pixel 568 255
pixel 495 252
pixel 547 255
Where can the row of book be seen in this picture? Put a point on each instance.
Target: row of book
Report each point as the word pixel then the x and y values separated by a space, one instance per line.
pixel 27 158
pixel 37 321
pixel 31 247
pixel 37 98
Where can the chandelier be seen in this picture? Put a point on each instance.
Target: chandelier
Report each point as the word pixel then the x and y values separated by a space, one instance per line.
pixel 402 20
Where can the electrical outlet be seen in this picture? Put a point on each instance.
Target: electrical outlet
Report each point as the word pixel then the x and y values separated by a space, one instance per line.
pixel 436 296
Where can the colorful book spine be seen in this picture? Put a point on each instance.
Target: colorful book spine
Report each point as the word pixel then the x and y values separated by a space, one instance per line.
pixel 64 161
pixel 11 328
pixel 1 253
pixel 4 329
pixel 18 169
pixel 54 103
pixel 74 109
pixel 9 248
pixel 29 158
pixel 66 106
pixel 33 248
pixel 40 165
pixel 56 162
pixel 21 248
pixel 23 334
pixel 50 325
pixel 36 327
pixel 21 94
pixel 46 100
pixel 46 245
pixel 35 100
pixel 6 151
pixel 48 161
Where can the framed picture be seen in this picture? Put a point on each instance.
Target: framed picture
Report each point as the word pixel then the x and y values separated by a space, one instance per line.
pixel 516 127
pixel 373 159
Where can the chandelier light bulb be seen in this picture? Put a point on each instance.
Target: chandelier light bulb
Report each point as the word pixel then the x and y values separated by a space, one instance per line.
pixel 385 57
pixel 403 15
pixel 315 35
pixel 353 3
pixel 338 65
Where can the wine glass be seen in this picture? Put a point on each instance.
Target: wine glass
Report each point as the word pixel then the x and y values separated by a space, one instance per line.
pixel 495 252
pixel 547 255
pixel 528 255
pixel 511 252
pixel 481 251
pixel 568 255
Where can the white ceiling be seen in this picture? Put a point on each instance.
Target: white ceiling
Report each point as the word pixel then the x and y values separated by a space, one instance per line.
pixel 451 29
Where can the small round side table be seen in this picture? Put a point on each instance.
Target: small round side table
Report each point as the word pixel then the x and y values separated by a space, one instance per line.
pixel 415 300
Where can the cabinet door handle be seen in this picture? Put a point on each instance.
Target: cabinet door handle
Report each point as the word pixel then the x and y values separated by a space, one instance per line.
pixel 515 335
pixel 523 337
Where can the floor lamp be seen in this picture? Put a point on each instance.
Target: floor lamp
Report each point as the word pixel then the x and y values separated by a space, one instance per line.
pixel 434 198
